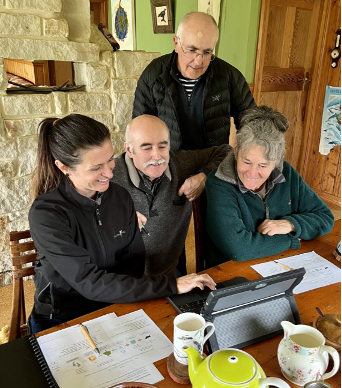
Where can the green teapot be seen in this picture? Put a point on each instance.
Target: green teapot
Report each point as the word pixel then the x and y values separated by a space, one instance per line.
pixel 228 368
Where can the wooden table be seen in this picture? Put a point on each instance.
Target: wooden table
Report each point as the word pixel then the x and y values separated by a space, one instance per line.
pixel 328 299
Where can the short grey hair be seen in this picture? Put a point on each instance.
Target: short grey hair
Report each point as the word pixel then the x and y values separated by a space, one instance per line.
pixel 190 15
pixel 264 127
pixel 128 136
pixel 128 133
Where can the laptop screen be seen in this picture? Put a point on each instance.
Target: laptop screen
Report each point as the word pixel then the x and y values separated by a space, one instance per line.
pixel 263 290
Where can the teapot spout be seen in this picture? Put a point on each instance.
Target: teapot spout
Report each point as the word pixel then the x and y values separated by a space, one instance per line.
pixel 195 360
pixel 288 328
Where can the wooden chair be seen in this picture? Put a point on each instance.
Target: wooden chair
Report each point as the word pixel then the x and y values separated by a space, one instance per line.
pixel 199 210
pixel 17 250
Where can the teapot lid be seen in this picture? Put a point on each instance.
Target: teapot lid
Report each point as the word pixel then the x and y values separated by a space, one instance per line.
pixel 232 366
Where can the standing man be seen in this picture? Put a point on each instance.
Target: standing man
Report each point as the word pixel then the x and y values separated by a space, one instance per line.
pixel 193 92
pixel 156 180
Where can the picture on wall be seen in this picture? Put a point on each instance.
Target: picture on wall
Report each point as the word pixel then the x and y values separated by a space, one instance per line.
pixel 123 22
pixel 162 17
pixel 331 120
pixel 211 7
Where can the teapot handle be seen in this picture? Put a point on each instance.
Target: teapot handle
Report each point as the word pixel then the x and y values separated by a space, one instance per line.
pixel 336 358
pixel 274 381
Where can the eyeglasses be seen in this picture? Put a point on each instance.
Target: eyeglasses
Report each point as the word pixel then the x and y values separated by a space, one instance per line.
pixel 193 54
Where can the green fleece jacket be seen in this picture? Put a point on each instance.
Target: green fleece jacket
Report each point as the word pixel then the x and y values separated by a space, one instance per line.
pixel 233 217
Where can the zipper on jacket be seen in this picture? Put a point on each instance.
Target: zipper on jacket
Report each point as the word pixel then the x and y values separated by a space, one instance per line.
pixel 175 112
pixel 267 211
pixel 205 92
pixel 44 288
pixel 98 217
pixel 49 285
pixel 97 222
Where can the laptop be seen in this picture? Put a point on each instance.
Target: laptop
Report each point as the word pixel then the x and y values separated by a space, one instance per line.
pixel 193 301
pixel 259 304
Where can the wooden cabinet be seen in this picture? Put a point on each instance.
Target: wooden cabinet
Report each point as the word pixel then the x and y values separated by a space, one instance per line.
pixel 99 12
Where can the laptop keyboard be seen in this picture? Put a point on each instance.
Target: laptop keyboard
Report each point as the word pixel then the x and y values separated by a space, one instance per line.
pixel 193 307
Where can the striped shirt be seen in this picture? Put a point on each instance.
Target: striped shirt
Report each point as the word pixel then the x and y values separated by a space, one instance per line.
pixel 188 84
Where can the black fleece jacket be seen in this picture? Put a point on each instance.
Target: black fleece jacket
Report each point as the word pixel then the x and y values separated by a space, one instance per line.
pixel 226 94
pixel 91 253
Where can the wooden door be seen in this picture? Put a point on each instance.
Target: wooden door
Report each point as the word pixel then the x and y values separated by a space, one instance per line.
pixel 323 173
pixel 286 43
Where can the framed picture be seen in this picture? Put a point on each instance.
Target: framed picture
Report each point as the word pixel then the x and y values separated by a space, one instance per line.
pixel 162 17
pixel 123 23
pixel 211 7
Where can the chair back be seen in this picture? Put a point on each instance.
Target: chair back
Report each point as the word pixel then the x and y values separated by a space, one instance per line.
pixel 19 259
pixel 199 210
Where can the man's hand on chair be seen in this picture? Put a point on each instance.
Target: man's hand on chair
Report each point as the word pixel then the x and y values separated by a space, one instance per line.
pixel 193 187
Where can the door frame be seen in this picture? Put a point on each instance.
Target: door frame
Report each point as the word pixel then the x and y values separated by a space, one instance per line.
pixel 314 111
pixel 261 46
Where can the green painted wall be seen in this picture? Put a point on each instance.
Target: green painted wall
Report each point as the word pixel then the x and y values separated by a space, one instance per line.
pixel 239 23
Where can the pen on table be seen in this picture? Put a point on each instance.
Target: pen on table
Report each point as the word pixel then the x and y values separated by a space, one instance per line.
pixel 145 230
pixel 286 267
pixel 91 342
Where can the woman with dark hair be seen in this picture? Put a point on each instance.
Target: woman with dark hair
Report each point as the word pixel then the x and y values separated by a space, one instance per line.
pixel 85 229
pixel 258 205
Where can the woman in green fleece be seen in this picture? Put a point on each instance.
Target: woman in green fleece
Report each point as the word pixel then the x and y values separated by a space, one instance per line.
pixel 258 205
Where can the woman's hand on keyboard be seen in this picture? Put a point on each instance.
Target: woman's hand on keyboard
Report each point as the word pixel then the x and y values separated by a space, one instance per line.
pixel 189 282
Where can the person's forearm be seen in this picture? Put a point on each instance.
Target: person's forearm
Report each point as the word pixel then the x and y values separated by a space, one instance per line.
pixel 244 245
pixel 312 225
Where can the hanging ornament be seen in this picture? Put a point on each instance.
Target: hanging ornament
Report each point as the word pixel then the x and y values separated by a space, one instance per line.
pixel 121 23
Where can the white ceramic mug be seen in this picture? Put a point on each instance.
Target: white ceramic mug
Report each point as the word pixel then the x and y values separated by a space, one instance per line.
pixel 189 331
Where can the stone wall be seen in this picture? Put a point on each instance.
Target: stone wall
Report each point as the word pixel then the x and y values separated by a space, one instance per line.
pixel 55 30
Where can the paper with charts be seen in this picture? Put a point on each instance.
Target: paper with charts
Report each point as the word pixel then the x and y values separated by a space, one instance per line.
pixel 129 345
pixel 319 271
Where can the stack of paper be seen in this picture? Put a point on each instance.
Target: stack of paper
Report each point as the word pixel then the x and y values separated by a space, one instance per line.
pixel 129 345
pixel 319 271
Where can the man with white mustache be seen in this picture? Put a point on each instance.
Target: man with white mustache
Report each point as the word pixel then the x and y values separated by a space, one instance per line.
pixel 160 183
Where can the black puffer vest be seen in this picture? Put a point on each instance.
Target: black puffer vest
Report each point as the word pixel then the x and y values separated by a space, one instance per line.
pixel 226 93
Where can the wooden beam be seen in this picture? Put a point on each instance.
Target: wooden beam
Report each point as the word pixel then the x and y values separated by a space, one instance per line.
pixel 305 4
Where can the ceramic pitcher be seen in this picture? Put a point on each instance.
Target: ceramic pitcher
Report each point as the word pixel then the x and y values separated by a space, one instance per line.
pixel 302 355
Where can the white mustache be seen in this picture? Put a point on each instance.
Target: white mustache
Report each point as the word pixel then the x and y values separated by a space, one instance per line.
pixel 154 162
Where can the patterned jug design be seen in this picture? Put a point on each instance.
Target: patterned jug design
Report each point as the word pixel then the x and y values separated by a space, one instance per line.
pixel 302 355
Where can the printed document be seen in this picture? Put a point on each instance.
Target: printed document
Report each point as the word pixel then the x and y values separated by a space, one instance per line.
pixel 129 345
pixel 319 271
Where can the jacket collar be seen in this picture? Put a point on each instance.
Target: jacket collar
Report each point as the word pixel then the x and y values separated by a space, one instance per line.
pixel 227 172
pixel 78 199
pixel 133 173
pixel 171 70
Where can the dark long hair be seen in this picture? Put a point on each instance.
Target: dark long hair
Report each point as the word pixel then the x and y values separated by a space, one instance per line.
pixel 63 139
